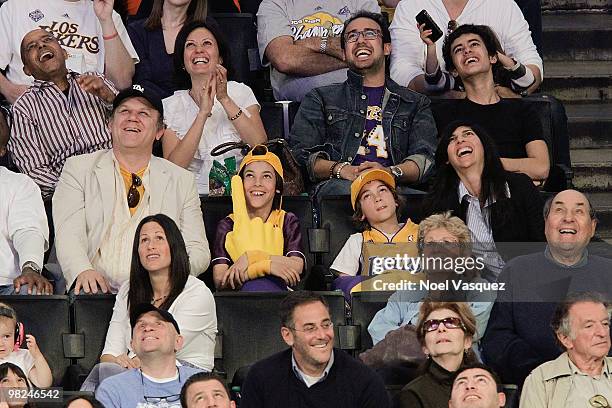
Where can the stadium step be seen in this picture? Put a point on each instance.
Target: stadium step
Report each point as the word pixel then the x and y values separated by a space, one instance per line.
pixel 577 36
pixel 603 203
pixel 590 125
pixel 578 81
pixel 592 169
pixel 576 4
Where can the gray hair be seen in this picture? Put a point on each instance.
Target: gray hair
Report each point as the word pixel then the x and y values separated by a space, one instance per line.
pixel 561 320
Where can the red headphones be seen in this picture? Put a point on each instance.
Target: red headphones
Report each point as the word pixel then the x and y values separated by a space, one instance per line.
pixel 19 334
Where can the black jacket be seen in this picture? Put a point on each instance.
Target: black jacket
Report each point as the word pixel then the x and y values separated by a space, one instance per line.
pixel 517 219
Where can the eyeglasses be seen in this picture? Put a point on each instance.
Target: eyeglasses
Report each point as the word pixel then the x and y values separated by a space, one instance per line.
pixel 599 401
pixel 311 328
pixel 452 26
pixel 133 196
pixel 161 401
pixel 448 322
pixel 368 34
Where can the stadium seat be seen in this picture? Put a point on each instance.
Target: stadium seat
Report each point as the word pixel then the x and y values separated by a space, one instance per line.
pixel 91 315
pixel 336 217
pixel 249 326
pixel 364 305
pixel 48 319
pixel 217 208
pixel 278 117
pixel 241 34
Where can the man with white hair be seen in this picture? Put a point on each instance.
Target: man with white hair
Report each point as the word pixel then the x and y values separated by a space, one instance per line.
pixel 582 375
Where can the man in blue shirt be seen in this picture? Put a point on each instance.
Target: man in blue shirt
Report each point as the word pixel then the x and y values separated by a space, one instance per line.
pixel 155 339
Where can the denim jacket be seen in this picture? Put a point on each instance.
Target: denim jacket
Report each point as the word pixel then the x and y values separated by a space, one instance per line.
pixel 331 120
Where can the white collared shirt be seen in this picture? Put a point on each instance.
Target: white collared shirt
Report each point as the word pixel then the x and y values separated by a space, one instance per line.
pixel 24 233
pixel 308 379
pixel 478 221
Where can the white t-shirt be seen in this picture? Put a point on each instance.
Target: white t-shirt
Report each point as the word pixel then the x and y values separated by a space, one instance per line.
pixel 22 358
pixel 350 256
pixel 195 312
pixel 503 16
pixel 180 111
pixel 75 25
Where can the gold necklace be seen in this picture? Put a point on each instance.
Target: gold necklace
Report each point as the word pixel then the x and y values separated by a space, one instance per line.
pixel 158 299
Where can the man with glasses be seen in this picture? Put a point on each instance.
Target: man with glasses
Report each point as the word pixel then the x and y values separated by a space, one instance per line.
pixel 156 337
pixel 366 122
pixel 503 16
pixel 311 373
pixel 300 40
pixel 101 197
pixel 582 375
pixel 476 386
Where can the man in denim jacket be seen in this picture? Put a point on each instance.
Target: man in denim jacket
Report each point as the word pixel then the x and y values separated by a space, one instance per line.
pixel 366 122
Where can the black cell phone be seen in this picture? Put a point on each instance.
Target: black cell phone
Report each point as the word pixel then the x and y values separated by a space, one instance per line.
pixel 424 18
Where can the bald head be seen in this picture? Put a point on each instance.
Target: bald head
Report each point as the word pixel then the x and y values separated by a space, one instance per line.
pixel 42 56
pixel 569 225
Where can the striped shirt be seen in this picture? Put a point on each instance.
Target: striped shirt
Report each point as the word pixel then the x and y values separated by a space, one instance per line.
pixel 478 222
pixel 48 127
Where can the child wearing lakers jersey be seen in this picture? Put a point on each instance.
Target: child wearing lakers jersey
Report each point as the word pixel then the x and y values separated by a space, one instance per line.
pixel 376 206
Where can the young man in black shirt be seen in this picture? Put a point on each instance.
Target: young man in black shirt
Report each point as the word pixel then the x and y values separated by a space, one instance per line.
pixel 470 53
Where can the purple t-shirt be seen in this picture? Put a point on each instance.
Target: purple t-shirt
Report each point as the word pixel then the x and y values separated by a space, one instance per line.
pixel 374 147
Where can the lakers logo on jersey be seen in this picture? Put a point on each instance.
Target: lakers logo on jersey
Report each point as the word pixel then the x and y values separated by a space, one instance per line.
pixel 316 25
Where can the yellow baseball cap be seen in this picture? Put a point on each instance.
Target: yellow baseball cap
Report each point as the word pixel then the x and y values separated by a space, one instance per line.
pixel 261 153
pixel 364 178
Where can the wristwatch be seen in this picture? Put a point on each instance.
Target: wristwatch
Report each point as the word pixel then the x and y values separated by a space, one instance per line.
pixel 32 266
pixel 397 172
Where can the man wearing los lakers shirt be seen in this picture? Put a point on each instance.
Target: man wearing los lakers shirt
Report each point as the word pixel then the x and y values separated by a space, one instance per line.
pixel 367 121
pixel 300 39
pixel 90 31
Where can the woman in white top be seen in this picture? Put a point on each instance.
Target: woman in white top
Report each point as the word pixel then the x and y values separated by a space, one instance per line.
pixel 212 111
pixel 160 275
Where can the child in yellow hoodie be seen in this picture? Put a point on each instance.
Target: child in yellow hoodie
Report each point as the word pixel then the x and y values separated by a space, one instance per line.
pixel 258 246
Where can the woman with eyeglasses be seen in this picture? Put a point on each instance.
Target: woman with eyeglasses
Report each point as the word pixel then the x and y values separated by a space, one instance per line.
pixel 445 331
pixel 210 110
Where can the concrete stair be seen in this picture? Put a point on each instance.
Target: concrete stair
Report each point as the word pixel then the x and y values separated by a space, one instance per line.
pixel 577 43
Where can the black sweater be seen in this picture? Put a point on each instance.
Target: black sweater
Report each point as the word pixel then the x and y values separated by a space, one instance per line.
pixel 271 383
